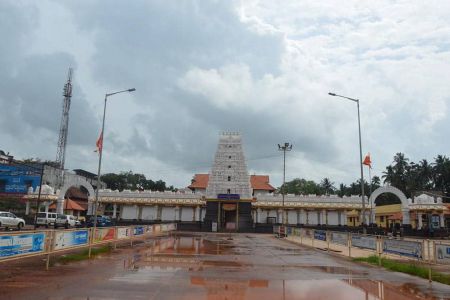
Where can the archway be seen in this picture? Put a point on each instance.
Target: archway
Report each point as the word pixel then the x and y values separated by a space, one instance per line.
pixel 396 192
pixel 69 182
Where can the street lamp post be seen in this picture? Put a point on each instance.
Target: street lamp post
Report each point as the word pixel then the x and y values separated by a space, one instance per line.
pixel 100 161
pixel 360 157
pixel 284 148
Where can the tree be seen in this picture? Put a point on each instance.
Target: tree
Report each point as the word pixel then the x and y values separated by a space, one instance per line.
pixel 327 186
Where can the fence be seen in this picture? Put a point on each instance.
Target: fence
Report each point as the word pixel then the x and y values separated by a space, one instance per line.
pixel 426 251
pixel 46 242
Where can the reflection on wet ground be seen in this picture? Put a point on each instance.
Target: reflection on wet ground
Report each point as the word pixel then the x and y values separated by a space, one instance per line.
pixel 218 266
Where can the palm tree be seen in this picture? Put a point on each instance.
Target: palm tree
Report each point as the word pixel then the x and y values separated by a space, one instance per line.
pixel 327 186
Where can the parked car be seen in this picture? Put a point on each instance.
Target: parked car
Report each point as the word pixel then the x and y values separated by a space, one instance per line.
pixel 65 221
pixel 102 221
pixel 45 219
pixel 10 220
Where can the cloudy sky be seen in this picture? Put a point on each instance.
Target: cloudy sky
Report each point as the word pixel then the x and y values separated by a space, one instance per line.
pixel 262 68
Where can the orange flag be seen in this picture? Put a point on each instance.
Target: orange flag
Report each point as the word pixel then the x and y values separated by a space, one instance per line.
pixel 367 161
pixel 99 143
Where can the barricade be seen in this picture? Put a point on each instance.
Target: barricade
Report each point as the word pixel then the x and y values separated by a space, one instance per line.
pixel 441 253
pixel 20 245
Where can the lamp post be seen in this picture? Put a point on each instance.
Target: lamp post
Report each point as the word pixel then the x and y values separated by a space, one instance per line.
pixel 284 148
pixel 360 158
pixel 100 160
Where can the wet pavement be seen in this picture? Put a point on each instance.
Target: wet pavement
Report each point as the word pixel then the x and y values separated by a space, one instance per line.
pixel 214 266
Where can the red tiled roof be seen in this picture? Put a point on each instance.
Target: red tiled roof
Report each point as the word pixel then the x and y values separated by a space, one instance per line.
pixel 396 216
pixel 69 205
pixel 258 182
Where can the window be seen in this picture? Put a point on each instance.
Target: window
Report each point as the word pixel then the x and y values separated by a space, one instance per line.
pixel 228 191
pixel 229 178
pixel 381 218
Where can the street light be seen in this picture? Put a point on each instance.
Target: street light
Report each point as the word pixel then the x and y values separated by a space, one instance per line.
pixel 284 148
pixel 360 157
pixel 100 159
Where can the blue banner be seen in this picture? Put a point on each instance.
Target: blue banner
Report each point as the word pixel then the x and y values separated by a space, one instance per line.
pixel 138 230
pixel 13 245
pixel 67 239
pixel 320 235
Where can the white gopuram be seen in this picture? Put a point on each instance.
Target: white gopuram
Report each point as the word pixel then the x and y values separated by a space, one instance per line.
pixel 229 172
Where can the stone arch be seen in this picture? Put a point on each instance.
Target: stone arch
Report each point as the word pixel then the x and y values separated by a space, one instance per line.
pixel 396 192
pixel 70 181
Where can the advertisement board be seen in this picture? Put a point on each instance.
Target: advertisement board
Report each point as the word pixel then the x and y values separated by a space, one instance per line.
pixel 442 254
pixel 138 230
pixel 320 235
pixel 172 227
pixel 289 230
pixel 308 233
pixel 405 248
pixel 123 232
pixel 157 228
pixel 163 227
pixel 14 245
pixel 68 239
pixel 340 238
pixel 149 229
pixel 104 234
pixel 368 242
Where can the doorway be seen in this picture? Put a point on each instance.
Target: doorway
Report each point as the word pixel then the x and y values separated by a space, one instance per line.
pixel 228 213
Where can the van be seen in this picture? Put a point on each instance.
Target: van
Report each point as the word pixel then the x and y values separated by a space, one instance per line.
pixel 45 219
pixel 65 221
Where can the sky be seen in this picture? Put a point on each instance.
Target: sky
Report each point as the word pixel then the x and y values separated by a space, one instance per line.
pixel 261 68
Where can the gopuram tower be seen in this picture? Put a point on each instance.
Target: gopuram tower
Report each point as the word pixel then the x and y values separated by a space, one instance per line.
pixel 228 193
pixel 229 174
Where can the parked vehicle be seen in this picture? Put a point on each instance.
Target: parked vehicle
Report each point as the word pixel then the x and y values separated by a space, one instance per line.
pixel 102 221
pixel 45 219
pixel 65 221
pixel 10 220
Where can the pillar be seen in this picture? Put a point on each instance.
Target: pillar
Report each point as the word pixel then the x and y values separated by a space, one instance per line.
pixel 441 220
pixel 193 214
pixel 279 216
pixel 298 217
pixel 177 213
pixel 324 217
pixel 339 217
pixel 59 206
pixel 197 213
pixel 158 212
pixel 27 208
pixel 344 217
pixel 419 221
pixel 307 217
pixel 114 210
pixel 319 221
pixel 258 215
pixel 180 217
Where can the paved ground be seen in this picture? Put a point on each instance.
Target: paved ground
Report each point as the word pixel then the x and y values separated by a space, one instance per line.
pixel 212 266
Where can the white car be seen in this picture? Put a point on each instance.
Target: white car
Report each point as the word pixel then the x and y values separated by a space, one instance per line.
pixel 65 221
pixel 45 219
pixel 9 220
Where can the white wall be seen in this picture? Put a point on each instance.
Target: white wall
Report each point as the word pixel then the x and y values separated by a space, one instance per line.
pixel 168 213
pixel 187 213
pixel 333 218
pixel 149 213
pixel 292 216
pixel 129 212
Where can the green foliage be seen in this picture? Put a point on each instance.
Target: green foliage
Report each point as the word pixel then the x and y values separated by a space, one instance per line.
pixel 405 267
pixel 84 254
pixel 133 181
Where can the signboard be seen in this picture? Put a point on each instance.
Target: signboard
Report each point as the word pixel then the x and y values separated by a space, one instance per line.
pixel 139 230
pixel 172 227
pixel 289 230
pixel 308 233
pixel 164 227
pixel 123 232
pixel 368 242
pixel 214 227
pixel 228 196
pixel 14 245
pixel 68 239
pixel 435 221
pixel 149 229
pixel 320 235
pixel 442 253
pixel 104 234
pixel 340 238
pixel 406 248
pixel 157 228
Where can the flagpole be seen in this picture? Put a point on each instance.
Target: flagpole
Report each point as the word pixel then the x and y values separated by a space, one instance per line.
pixel 370 194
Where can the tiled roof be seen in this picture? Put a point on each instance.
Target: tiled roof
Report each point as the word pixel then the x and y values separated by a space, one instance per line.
pixel 258 182
pixel 69 205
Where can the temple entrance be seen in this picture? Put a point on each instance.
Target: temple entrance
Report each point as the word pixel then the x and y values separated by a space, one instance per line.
pixel 229 216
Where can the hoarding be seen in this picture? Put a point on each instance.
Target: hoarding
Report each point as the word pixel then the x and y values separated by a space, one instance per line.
pixel 368 242
pixel 405 248
pixel 138 230
pixel 123 232
pixel 340 238
pixel 320 235
pixel 68 239
pixel 15 245
pixel 104 234
pixel 442 254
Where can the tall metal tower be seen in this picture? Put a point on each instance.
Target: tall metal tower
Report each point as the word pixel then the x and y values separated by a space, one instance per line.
pixel 64 127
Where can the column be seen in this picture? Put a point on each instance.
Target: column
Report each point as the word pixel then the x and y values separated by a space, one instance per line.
pixel 307 217
pixel 344 217
pixel 158 212
pixel 279 216
pixel 27 208
pixel 319 221
pixel 177 213
pixel 197 213
pixel 339 218
pixel 419 221
pixel 59 206
pixel 139 212
pixel 193 214
pixel 441 220
pixel 286 216
pixel 114 211
pixel 324 217
pixel 298 216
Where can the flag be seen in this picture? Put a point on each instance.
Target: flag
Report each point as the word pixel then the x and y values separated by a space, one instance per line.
pixel 99 143
pixel 367 161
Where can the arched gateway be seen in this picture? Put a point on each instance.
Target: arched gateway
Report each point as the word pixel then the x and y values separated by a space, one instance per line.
pixel 396 192
pixel 69 182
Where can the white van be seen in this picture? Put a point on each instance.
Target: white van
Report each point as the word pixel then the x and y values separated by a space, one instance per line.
pixel 65 221
pixel 46 219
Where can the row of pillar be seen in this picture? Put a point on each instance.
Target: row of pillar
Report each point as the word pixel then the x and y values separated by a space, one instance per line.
pixel 320 216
